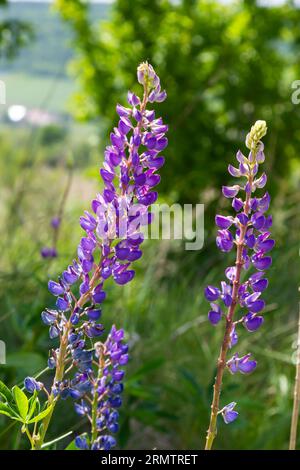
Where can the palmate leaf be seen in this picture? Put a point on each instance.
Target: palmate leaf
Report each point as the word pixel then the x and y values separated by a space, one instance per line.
pixel 21 401
pixel 6 410
pixel 5 392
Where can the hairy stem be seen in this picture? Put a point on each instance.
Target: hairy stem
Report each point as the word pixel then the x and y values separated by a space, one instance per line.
pixel 221 364
pixel 295 414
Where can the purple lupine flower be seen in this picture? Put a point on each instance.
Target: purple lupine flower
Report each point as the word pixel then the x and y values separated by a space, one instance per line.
pixel 241 364
pixel 32 385
pixel 248 229
pixel 103 389
pixel 129 174
pixel 229 414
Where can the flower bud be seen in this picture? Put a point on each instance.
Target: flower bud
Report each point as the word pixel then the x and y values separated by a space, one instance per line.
pixel 257 132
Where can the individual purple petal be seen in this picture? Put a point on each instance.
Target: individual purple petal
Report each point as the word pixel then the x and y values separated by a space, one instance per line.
pixel 242 217
pixel 94 314
pixel 211 293
pixel 266 245
pixel 264 203
pixel 124 277
pixel 224 240
pixel 55 288
pixel 132 99
pixel 250 240
pixel 223 222
pixel 214 317
pixel 268 223
pixel 234 171
pixel 262 263
pixel 230 191
pixel 258 220
pixel 49 317
pixel 62 304
pixel 148 199
pixel 155 162
pixel 260 156
pixel 122 111
pixel 246 366
pixel 260 285
pixel 261 182
pixel 134 255
pixel 240 157
pixel 237 204
pixel 53 332
pixel 88 223
pixel 107 175
pixel 228 413
pixel 230 416
pixel 233 338
pixel 124 125
pixel 230 273
pixel 252 322
pixel 233 364
pixel 99 297
pixel 161 144
pixel 253 303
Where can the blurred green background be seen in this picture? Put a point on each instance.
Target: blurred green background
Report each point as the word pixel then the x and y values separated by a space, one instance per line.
pixel 224 65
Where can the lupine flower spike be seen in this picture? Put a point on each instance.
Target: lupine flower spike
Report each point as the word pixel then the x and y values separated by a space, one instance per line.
pixel 247 231
pixel 91 372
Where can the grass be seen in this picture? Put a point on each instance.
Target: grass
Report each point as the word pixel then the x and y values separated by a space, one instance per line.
pixel 34 91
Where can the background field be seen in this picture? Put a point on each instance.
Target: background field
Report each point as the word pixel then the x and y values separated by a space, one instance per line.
pixel 223 67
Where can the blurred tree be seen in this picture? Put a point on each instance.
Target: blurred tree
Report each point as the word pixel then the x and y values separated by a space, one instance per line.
pixel 224 66
pixel 13 35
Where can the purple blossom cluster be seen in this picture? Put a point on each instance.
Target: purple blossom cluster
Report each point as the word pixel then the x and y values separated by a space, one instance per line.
pixel 101 394
pixel 112 242
pixel 248 230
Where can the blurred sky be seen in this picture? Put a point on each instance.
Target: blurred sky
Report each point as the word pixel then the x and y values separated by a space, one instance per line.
pixel 262 2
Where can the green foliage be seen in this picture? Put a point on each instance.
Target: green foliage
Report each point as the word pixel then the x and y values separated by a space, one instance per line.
pixel 50 51
pixel 19 408
pixel 14 34
pixel 223 67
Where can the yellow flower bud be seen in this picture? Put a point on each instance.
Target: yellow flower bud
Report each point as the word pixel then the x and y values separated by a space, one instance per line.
pixel 257 132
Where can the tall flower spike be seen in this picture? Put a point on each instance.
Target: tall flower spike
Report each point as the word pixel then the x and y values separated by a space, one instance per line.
pixel 111 244
pixel 247 231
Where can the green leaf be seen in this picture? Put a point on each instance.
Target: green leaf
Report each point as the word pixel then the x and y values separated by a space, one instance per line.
pixel 40 416
pixel 72 446
pixel 33 401
pixel 5 410
pixel 8 411
pixel 5 392
pixel 21 401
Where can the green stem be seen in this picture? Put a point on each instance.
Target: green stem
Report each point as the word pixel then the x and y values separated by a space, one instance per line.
pixel 29 437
